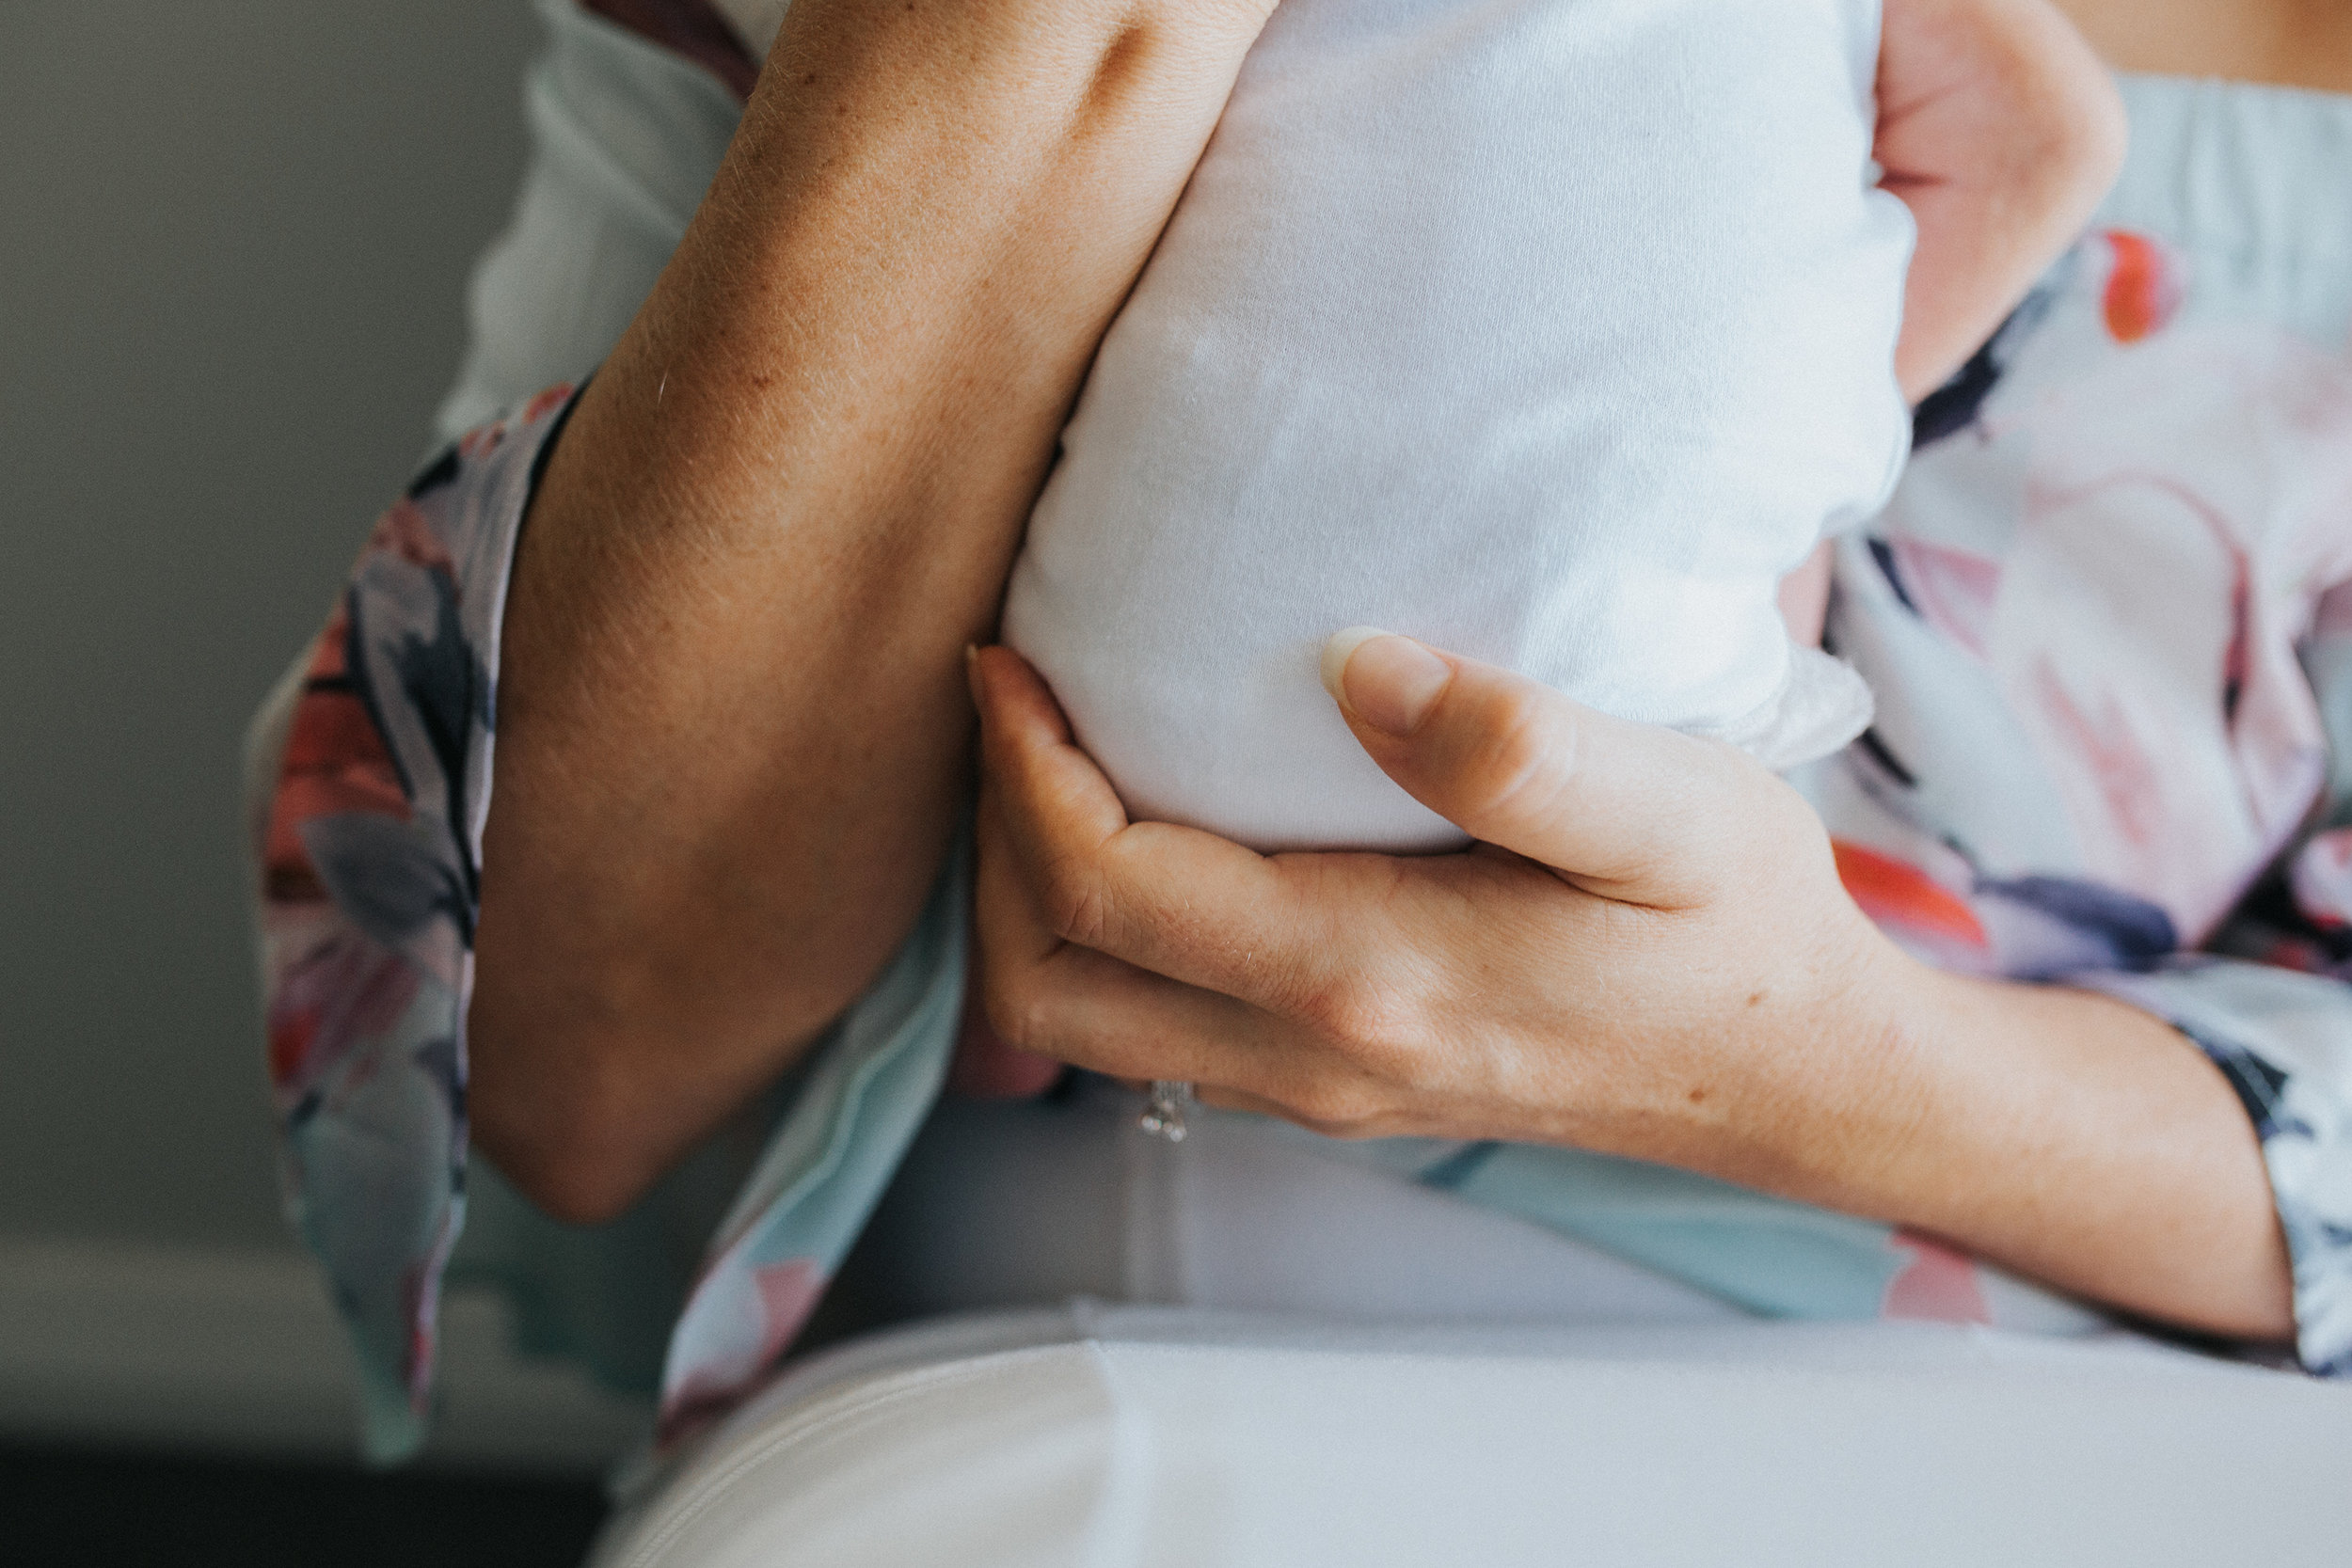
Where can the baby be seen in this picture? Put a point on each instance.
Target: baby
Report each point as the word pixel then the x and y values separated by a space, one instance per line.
pixel 1552 332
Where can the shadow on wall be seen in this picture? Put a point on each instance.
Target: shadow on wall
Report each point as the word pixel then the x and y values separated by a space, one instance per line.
pixel 231 293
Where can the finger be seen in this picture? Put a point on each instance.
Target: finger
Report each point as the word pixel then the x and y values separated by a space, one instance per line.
pixel 986 1066
pixel 1126 1024
pixel 1176 901
pixel 1009 925
pixel 1090 1010
pixel 1072 1005
pixel 1026 748
pixel 1222 1098
pixel 1634 811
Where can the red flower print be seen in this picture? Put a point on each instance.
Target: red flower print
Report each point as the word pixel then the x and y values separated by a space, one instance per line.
pixel 1938 1285
pixel 2143 288
pixel 336 761
pixel 1902 900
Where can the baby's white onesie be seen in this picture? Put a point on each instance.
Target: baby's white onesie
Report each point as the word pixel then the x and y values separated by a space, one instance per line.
pixel 1553 332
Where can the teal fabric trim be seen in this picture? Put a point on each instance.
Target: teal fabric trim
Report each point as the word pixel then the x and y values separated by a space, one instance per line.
pixel 861 1107
pixel 866 1095
pixel 1770 1255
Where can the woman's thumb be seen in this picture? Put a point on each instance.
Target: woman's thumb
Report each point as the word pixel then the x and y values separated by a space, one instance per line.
pixel 1632 810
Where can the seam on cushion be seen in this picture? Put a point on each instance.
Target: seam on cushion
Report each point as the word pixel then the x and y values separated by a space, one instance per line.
pixel 829 1412
pixel 692 28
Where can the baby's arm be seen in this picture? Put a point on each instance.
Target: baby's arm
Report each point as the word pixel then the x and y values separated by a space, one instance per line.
pixel 2000 130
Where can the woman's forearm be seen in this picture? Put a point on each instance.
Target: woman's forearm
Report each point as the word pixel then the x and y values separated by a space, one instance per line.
pixel 2064 1135
pixel 731 718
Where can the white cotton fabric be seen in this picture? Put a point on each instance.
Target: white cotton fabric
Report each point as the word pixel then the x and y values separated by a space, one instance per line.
pixel 755 22
pixel 1138 1438
pixel 1553 332
pixel 1023 1203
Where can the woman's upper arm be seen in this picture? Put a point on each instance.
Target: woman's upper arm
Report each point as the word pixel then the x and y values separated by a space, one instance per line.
pixel 732 731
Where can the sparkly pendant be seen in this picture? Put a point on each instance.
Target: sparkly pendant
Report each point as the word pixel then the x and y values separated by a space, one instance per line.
pixel 1164 1110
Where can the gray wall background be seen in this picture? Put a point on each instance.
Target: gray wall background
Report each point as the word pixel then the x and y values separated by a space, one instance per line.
pixel 233 245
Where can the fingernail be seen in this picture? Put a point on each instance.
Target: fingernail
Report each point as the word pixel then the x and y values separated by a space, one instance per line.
pixel 1387 681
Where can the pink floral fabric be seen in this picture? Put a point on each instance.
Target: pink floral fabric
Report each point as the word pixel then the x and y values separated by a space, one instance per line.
pixel 2107 617
pixel 370 858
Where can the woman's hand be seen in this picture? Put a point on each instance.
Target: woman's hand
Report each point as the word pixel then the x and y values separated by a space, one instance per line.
pixel 1648 953
pixel 1649 935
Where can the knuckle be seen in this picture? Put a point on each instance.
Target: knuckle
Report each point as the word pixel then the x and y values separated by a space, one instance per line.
pixel 1378 1025
pixel 1524 758
pixel 1075 903
pixel 1015 1007
pixel 1338 1107
pixel 1344 1009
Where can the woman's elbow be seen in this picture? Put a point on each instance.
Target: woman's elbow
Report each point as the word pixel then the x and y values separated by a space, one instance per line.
pixel 585 1104
pixel 564 1135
